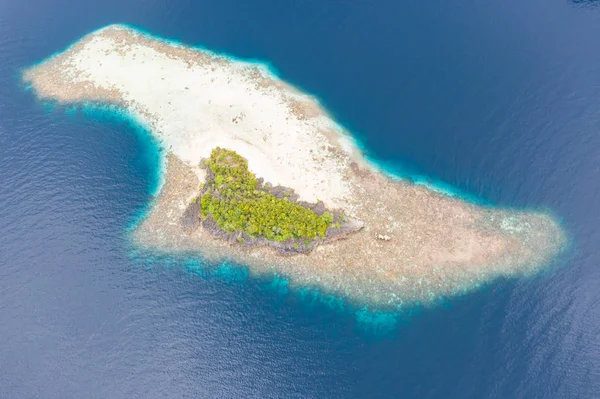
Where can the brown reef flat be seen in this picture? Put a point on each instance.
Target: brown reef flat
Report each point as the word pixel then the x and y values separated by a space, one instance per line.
pixel 423 259
pixel 416 245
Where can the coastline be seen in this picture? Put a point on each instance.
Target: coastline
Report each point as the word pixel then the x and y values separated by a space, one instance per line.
pixel 439 246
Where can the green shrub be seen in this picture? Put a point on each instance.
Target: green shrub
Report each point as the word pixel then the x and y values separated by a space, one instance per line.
pixel 236 203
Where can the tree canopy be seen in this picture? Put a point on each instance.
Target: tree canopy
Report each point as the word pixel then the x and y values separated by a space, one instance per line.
pixel 236 202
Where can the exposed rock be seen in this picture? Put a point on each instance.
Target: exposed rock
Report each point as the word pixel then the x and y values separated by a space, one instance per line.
pixel 318 208
pixel 339 229
pixel 287 247
pixel 190 220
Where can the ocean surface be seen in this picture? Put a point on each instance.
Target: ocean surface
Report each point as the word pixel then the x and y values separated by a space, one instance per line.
pixel 499 100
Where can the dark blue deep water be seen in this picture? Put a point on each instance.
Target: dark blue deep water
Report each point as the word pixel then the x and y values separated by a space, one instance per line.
pixel 499 99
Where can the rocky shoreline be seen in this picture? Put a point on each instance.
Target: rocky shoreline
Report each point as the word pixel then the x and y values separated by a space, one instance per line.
pixel 413 244
pixel 341 227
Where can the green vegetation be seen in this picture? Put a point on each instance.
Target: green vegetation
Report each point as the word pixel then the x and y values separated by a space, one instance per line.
pixel 236 202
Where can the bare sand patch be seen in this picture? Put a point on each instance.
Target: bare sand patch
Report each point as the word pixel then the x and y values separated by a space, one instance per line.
pixel 417 244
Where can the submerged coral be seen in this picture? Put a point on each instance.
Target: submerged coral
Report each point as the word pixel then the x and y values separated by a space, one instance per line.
pixel 416 243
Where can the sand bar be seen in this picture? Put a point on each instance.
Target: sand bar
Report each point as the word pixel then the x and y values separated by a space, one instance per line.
pixel 416 245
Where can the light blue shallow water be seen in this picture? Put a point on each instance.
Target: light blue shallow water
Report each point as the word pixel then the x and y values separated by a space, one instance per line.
pixel 498 100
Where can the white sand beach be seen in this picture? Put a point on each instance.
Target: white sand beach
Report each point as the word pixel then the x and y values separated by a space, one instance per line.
pixel 416 245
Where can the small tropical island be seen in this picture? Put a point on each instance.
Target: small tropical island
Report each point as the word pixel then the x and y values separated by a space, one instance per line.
pixel 257 172
pixel 238 207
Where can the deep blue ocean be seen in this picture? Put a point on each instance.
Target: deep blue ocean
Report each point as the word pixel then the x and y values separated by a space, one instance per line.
pixel 498 99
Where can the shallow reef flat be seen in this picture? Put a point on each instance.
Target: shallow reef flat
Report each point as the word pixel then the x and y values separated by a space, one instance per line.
pixel 416 244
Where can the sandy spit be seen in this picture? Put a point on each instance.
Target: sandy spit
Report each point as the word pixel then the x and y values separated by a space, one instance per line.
pixel 194 100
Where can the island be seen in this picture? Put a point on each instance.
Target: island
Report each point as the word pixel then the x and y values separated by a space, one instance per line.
pixel 257 172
